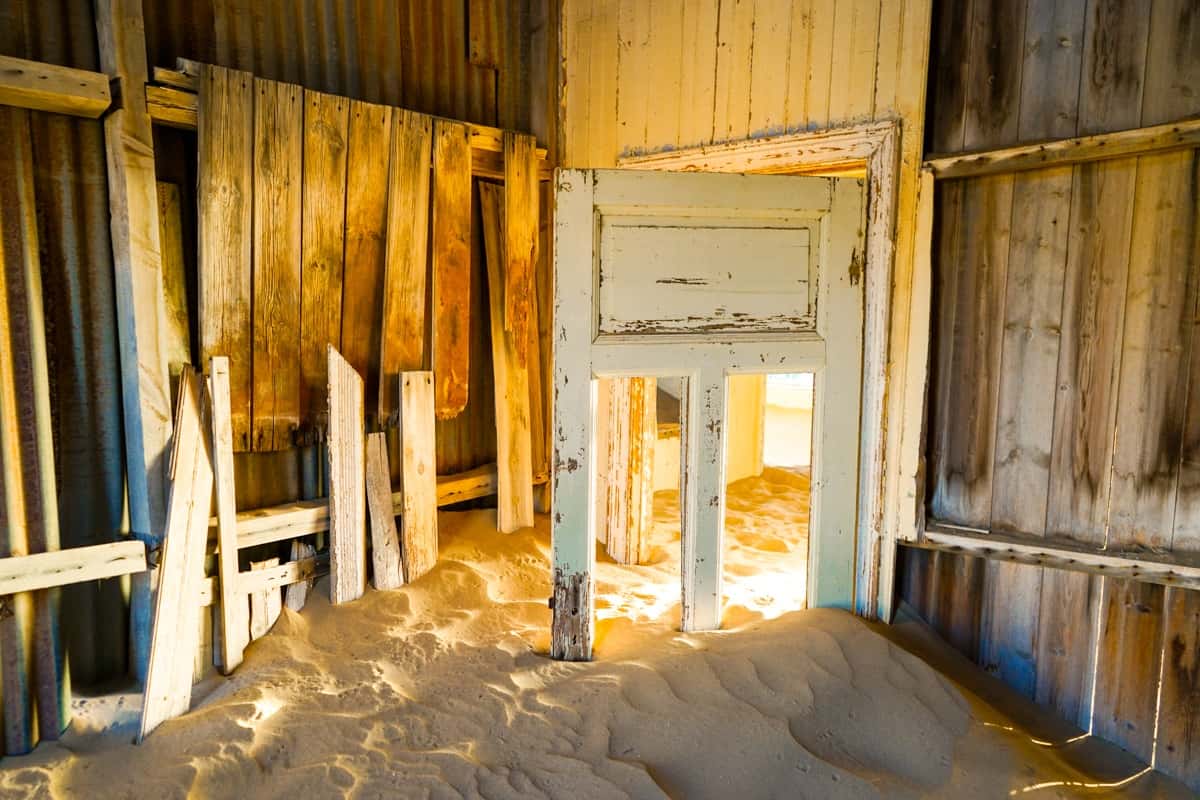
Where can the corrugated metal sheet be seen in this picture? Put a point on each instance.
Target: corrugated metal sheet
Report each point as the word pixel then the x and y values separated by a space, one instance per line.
pixel 80 308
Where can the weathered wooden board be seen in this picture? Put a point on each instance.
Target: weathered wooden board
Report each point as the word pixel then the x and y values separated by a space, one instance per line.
pixel 265 604
pixel 170 235
pixel 225 194
pixel 385 543
pixel 418 475
pixel 28 573
pixel 49 87
pixel 366 226
pixel 177 607
pixel 295 595
pixel 347 492
pixel 514 460
pixel 402 338
pixel 451 266
pixel 234 624
pixel 278 217
pixel 1128 665
pixel 520 232
pixel 633 429
pixel 1178 734
pixel 326 131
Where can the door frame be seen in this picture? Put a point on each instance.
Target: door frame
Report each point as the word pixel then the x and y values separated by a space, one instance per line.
pixel 871 149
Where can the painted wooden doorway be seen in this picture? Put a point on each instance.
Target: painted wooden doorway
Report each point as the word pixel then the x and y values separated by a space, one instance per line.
pixel 704 276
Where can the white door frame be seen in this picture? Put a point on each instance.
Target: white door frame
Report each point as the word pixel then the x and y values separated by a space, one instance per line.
pixel 582 355
pixel 871 149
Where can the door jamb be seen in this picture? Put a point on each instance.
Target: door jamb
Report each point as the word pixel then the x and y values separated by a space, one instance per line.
pixel 874 148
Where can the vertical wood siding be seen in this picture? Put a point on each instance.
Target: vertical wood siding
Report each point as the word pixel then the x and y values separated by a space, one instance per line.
pixel 1064 359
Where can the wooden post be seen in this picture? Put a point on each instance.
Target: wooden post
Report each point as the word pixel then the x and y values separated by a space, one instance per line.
pixel 573 525
pixel 385 545
pixel 418 474
pixel 702 498
pixel 141 312
pixel 510 365
pixel 177 605
pixel 234 626
pixel 347 512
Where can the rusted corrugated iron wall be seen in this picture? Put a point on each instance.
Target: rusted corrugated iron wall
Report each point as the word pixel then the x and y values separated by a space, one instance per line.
pixel 80 308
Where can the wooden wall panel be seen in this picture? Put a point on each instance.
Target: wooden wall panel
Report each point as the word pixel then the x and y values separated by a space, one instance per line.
pixel 1092 431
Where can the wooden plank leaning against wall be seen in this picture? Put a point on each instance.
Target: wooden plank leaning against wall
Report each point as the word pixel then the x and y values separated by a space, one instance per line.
pixel 1094 332
pixel 608 112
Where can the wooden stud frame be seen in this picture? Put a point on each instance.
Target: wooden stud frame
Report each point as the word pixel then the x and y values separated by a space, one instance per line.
pixel 600 215
pixel 874 148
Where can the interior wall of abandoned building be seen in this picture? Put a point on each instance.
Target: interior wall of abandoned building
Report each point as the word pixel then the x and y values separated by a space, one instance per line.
pixel 1065 393
pixel 489 63
pixel 725 71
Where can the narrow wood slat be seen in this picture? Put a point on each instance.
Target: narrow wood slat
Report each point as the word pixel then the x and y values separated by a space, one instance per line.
pixel 278 216
pixel 385 544
pixel 1178 737
pixel 520 236
pixel 451 266
pixel 366 227
pixel 514 508
pixel 1128 665
pixel 177 608
pixel 174 267
pixel 265 603
pixel 347 512
pixel 326 131
pixel 225 197
pixel 418 475
pixel 402 338
pixel 234 625
pixel 295 594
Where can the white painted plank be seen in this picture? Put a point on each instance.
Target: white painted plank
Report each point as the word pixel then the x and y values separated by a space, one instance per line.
pixel 347 494
pixel 702 498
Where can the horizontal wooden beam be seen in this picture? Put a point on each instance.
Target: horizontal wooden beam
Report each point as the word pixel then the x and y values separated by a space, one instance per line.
pixel 1182 135
pixel 174 102
pixel 73 565
pixel 1162 568
pixel 49 87
pixel 288 521
pixel 305 569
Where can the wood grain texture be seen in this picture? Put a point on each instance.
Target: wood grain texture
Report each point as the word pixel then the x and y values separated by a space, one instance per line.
pixel 325 132
pixel 366 226
pixel 295 595
pixel 1128 665
pixel 1178 746
pixel 225 196
pixel 451 266
pixel 53 88
pixel 633 430
pixel 265 604
pixel 520 234
pixel 347 492
pixel 387 569
pixel 175 281
pixel 278 216
pixel 402 337
pixel 177 608
pixel 418 475
pixel 514 459
pixel 234 624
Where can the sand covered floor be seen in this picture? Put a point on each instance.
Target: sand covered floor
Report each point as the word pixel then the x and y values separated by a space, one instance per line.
pixel 442 690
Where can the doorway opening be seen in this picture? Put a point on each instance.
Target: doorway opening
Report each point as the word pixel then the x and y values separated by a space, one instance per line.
pixel 768 458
